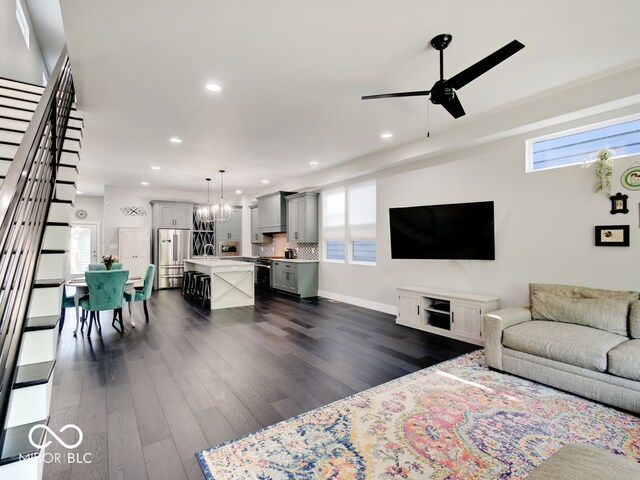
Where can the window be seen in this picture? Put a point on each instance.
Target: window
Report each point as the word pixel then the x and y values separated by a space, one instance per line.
pixel 349 223
pixel 22 22
pixel 361 205
pixel 333 216
pixel 577 146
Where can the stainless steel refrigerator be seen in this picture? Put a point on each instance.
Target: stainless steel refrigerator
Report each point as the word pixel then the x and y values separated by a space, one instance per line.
pixel 171 248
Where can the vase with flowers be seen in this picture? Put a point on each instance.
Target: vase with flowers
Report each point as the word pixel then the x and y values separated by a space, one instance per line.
pixel 109 260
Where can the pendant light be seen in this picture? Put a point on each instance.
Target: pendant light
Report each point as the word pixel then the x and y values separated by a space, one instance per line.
pixel 222 210
pixel 204 213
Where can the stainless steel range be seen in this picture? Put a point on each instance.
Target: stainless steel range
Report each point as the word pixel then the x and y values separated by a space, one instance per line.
pixel 263 272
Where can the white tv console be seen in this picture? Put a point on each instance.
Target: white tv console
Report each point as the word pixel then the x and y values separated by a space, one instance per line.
pixel 450 314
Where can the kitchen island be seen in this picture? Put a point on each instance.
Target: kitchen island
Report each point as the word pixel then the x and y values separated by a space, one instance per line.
pixel 232 283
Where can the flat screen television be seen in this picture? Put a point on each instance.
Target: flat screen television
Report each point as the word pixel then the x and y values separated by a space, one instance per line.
pixel 457 231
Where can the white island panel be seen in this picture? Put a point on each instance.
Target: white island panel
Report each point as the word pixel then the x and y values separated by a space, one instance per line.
pixel 232 283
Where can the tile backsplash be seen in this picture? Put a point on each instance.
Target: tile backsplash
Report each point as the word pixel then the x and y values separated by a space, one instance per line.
pixel 306 251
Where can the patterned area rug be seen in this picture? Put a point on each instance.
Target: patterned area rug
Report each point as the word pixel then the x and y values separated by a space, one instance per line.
pixel 454 420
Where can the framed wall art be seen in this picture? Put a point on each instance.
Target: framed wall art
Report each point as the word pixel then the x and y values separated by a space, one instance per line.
pixel 612 236
pixel 619 203
pixel 631 178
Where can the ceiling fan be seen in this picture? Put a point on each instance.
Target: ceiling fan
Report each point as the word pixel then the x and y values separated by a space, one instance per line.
pixel 443 91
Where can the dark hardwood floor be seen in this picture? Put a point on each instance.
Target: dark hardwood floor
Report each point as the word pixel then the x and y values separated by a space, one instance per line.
pixel 191 378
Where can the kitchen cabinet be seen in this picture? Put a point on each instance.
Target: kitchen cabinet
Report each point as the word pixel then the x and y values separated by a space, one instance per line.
pixel 172 215
pixel 272 212
pixel 256 236
pixel 450 314
pixel 302 218
pixel 134 250
pixel 230 231
pixel 296 277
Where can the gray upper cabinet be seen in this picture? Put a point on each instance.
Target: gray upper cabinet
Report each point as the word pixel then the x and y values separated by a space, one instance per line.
pixel 302 218
pixel 230 231
pixel 256 236
pixel 272 212
pixel 172 215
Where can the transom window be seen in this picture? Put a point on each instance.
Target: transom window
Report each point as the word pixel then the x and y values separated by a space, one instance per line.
pixel 578 146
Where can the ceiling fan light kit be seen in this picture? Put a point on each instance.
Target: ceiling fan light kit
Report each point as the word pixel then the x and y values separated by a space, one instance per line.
pixel 443 92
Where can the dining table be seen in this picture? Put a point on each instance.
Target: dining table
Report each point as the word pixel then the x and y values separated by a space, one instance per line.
pixel 82 289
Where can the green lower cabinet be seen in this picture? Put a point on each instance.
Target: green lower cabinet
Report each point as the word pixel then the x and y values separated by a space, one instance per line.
pixel 297 278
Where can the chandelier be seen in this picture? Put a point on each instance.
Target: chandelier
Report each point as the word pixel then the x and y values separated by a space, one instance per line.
pixel 204 213
pixel 219 212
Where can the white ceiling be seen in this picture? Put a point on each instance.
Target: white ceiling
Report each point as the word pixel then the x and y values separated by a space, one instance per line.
pixel 293 73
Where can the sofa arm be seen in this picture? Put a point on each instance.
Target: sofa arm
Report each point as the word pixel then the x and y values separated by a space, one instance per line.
pixel 494 323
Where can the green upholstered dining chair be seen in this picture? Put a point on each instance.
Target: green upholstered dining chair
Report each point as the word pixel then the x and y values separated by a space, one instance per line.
pixel 67 302
pixel 143 294
pixel 116 266
pixel 93 267
pixel 106 289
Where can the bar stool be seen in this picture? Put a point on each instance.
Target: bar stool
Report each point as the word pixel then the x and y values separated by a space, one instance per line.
pixel 193 285
pixel 187 278
pixel 203 288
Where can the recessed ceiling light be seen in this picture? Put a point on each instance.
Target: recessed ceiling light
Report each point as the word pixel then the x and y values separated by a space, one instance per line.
pixel 265 181
pixel 238 192
pixel 386 135
pixel 175 140
pixel 79 192
pixel 314 163
pixel 144 184
pixel 155 167
pixel 213 87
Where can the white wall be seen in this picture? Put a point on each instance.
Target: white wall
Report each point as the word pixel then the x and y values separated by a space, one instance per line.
pixel 92 205
pixel 544 225
pixel 116 198
pixel 17 62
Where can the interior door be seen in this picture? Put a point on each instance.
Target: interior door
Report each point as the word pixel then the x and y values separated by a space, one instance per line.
pixel 84 247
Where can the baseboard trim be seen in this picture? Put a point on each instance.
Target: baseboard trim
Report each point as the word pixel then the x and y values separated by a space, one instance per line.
pixel 360 302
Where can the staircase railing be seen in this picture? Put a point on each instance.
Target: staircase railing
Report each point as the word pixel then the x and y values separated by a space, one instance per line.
pixel 25 197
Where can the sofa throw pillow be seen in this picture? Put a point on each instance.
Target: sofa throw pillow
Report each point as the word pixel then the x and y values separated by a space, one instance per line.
pixel 606 314
pixel 634 319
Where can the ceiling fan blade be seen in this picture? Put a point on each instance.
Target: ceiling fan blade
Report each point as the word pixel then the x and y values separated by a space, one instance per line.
pixel 394 95
pixel 454 107
pixel 483 66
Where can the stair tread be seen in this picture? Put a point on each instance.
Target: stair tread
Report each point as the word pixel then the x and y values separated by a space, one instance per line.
pixel 42 323
pixel 53 251
pixel 15 443
pixel 48 283
pixel 33 374
pixel 58 224
pixel 59 200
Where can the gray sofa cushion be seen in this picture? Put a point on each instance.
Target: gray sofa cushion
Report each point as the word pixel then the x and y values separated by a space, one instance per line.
pixel 608 314
pixel 572 291
pixel 634 319
pixel 581 462
pixel 624 360
pixel 564 342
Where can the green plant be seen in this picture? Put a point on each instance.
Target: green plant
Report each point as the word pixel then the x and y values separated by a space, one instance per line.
pixel 604 170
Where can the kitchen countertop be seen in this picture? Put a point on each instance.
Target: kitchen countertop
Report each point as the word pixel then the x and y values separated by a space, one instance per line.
pixel 216 262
